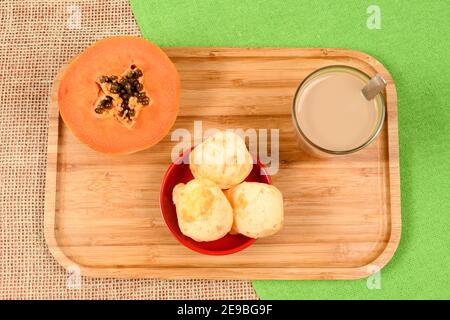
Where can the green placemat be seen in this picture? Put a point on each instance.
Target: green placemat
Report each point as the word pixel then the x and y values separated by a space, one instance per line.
pixel 413 43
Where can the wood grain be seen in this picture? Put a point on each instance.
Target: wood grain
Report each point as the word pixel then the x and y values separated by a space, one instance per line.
pixel 342 215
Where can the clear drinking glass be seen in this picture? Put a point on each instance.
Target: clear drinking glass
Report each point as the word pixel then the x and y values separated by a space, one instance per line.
pixel 324 108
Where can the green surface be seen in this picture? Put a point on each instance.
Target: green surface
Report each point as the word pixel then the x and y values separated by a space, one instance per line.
pixel 414 45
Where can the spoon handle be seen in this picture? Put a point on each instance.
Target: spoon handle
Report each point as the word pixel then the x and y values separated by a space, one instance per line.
pixel 374 87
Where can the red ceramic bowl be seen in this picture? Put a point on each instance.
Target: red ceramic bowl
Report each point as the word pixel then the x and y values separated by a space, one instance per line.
pixel 179 172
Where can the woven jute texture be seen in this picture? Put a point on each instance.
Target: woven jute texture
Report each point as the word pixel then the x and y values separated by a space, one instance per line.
pixel 36 39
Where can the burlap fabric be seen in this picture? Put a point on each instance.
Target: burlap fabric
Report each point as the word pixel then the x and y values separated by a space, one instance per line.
pixel 36 38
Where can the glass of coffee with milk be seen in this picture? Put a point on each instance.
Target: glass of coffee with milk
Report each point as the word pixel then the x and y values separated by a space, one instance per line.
pixel 338 110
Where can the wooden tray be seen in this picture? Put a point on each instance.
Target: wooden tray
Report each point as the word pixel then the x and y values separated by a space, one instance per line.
pixel 342 216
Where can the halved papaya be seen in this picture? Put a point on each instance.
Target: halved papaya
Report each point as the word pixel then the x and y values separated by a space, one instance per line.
pixel 120 95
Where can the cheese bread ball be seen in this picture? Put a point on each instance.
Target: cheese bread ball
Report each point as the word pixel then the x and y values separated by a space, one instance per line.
pixel 203 211
pixel 222 158
pixel 258 209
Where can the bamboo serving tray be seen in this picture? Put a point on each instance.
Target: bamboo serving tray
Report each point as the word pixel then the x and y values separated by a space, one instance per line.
pixel 342 215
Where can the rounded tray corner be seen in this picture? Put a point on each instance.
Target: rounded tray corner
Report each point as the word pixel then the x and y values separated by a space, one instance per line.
pixel 57 253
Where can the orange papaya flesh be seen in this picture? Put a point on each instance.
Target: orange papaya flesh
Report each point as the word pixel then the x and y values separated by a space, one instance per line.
pixel 109 129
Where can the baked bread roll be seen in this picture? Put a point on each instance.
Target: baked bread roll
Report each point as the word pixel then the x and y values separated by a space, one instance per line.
pixel 222 158
pixel 257 208
pixel 203 211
